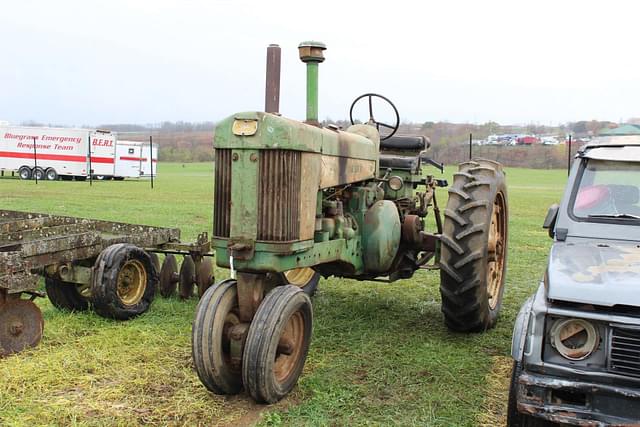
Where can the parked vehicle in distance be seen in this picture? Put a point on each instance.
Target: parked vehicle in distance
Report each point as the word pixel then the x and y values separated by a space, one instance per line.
pixel 527 140
pixel 549 140
pixel 576 341
pixel 65 153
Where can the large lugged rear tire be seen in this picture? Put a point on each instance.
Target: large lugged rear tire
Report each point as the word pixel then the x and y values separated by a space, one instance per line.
pixel 474 247
pixel 65 296
pixel 124 282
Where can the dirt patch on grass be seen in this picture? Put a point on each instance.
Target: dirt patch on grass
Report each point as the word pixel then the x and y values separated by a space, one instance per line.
pixel 494 406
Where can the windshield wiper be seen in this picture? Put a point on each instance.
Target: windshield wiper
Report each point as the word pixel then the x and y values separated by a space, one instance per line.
pixel 620 215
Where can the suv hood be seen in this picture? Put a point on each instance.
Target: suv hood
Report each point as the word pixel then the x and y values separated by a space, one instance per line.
pixel 604 273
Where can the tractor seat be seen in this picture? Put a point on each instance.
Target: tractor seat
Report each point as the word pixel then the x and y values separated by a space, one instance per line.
pixel 410 143
pixel 407 163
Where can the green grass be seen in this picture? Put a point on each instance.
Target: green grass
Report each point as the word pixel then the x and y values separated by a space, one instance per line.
pixel 380 352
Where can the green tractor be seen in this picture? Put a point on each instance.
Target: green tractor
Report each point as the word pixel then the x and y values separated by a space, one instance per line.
pixel 294 201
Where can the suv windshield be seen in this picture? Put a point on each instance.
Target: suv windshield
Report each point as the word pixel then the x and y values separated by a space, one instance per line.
pixel 608 189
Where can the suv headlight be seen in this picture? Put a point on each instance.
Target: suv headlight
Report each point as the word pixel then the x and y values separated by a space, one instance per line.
pixel 574 339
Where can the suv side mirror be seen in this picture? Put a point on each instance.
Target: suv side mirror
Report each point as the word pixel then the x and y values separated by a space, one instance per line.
pixel 550 219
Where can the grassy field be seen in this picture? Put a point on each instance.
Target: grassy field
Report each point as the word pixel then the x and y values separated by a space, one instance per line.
pixel 380 353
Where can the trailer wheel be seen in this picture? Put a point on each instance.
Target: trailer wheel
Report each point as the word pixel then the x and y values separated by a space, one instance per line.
pixel 124 282
pixel 51 174
pixel 277 344
pixel 38 173
pixel 474 247
pixel 67 296
pixel 305 278
pixel 24 172
pixel 216 314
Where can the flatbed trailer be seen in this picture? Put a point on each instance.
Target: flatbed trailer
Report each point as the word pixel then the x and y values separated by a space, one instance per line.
pixel 110 267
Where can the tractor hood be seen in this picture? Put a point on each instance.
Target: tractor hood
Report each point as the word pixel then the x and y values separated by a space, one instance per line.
pixel 604 273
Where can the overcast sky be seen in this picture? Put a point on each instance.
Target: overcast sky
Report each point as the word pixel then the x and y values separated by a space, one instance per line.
pixel 117 61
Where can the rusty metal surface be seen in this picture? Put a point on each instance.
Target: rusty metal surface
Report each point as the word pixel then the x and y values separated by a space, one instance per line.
pixel 31 241
pixel 610 405
pixel 21 326
pixel 272 86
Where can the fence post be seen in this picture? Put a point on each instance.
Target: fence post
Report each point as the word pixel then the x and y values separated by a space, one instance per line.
pixel 35 161
pixel 569 157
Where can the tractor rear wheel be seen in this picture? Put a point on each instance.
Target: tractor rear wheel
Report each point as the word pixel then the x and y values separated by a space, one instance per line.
pixel 474 247
pixel 67 296
pixel 277 344
pixel 305 278
pixel 216 314
pixel 124 282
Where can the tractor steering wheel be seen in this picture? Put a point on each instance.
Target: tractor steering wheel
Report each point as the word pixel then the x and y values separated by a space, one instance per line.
pixel 372 120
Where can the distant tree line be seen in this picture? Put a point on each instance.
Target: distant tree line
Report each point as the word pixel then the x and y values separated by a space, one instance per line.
pixel 187 142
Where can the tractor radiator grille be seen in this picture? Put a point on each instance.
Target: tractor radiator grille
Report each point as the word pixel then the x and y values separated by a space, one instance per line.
pixel 624 357
pixel 222 194
pixel 279 195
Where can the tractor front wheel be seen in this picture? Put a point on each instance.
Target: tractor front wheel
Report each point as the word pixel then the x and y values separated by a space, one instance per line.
pixel 211 346
pixel 277 344
pixel 474 247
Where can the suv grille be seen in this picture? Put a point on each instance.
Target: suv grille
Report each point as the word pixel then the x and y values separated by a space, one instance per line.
pixel 624 357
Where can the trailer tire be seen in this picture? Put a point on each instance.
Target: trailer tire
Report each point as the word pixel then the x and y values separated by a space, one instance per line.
pixel 124 282
pixel 51 174
pixel 24 172
pixel 38 173
pixel 474 247
pixel 65 296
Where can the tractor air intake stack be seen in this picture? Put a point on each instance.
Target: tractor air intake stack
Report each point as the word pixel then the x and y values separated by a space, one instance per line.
pixel 311 54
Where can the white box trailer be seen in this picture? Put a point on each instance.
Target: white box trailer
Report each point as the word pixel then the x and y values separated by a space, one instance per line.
pixel 50 153
pixel 135 159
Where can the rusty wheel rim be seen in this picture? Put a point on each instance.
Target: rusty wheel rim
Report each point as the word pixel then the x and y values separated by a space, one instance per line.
pixel 299 276
pixel 132 282
pixel 496 251
pixel 289 348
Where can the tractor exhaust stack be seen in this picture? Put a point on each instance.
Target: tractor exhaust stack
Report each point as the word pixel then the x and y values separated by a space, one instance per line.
pixel 311 53
pixel 272 87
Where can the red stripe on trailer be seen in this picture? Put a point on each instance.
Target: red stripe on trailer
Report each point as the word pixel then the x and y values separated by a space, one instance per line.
pixel 136 159
pixel 101 159
pixel 63 157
